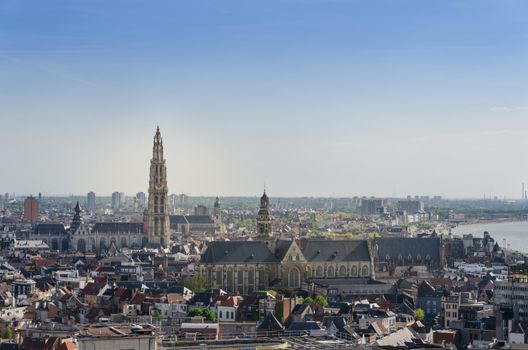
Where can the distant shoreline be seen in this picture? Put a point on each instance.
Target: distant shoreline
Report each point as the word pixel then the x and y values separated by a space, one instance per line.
pixel 513 235
pixel 484 222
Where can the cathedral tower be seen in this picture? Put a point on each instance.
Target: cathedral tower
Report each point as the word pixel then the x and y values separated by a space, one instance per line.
pixel 77 219
pixel 264 218
pixel 158 224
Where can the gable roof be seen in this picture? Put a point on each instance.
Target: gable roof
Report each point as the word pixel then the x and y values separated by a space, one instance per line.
pixel 189 219
pixel 282 247
pixel 93 288
pixel 50 229
pixel 393 247
pixel 332 250
pixel 112 227
pixel 299 309
pixel 270 323
pixel 248 252
pixel 304 325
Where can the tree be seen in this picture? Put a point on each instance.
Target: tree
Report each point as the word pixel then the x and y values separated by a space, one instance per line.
pixel 156 314
pixel 8 333
pixel 321 300
pixel 195 312
pixel 197 283
pixel 206 313
pixel 419 314
pixel 308 300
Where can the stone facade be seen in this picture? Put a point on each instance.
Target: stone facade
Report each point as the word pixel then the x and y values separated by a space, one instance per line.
pixel 158 225
pixel 247 266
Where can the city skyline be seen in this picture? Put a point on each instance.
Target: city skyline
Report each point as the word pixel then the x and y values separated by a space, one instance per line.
pixel 313 98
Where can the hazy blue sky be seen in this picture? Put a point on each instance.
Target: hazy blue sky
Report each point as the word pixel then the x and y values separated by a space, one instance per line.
pixel 310 97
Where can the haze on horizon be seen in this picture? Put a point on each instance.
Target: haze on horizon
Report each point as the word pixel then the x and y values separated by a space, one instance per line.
pixel 310 97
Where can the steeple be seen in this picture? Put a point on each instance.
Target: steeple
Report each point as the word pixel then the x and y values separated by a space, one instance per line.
pixel 158 225
pixel 157 151
pixel 264 201
pixel 264 218
pixel 77 219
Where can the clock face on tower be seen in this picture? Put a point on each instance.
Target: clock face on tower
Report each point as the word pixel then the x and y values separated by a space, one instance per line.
pixel 159 185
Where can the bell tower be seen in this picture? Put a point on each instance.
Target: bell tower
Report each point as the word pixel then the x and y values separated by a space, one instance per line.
pixel 264 231
pixel 158 225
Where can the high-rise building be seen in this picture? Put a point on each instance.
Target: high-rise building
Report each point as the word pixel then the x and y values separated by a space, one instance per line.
pixel 90 201
pixel 2 203
pixel 31 209
pixel 141 199
pixel 411 206
pixel 122 198
pixel 116 200
pixel 510 299
pixel 183 199
pixel 264 230
pixel 173 200
pixel 371 206
pixel 158 223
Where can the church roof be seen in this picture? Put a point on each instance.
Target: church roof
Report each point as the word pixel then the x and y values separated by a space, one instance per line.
pixel 332 250
pixel 50 229
pixel 111 227
pixel 282 248
pixel 225 252
pixel 189 219
pixel 270 323
pixel 396 246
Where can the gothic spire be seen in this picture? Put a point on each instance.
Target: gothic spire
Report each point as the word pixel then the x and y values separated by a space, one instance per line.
pixel 264 200
pixel 77 219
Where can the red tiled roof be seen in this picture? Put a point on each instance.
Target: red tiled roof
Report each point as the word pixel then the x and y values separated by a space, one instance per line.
pixel 92 288
pixel 67 345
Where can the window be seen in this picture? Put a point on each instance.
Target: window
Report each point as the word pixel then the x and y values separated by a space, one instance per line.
pixel 230 280
pixel 319 271
pixel 261 279
pixel 354 271
pixel 294 278
pixel 342 271
pixel 365 271
pixel 251 280
pixel 240 281
pixel 331 272
pixel 219 278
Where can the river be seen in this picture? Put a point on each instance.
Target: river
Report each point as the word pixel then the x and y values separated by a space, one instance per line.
pixel 514 234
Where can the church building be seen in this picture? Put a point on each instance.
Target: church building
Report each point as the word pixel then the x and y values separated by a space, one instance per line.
pixel 247 266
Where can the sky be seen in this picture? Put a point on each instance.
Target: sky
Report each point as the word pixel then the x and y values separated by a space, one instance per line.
pixel 309 97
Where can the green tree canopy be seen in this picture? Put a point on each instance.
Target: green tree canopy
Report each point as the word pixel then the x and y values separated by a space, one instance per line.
pixel 8 333
pixel 197 283
pixel 195 312
pixel 206 313
pixel 308 300
pixel 321 300
pixel 419 314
